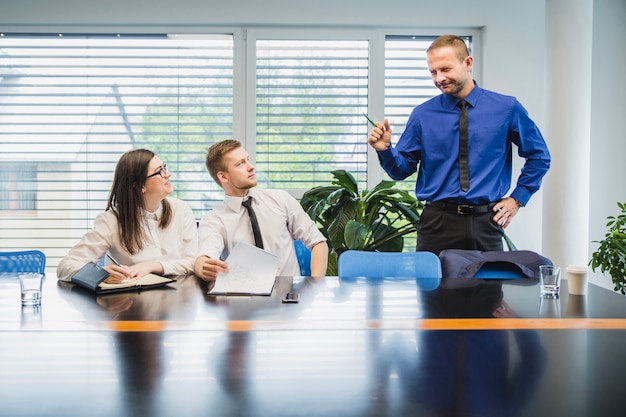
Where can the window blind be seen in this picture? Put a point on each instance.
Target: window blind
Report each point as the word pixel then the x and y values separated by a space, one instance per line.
pixel 70 105
pixel 310 96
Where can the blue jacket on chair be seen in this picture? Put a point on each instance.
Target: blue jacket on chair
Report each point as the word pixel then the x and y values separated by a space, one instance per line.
pixel 460 263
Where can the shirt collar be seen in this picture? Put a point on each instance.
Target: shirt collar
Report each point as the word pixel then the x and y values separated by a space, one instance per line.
pixel 234 203
pixel 155 215
pixel 472 97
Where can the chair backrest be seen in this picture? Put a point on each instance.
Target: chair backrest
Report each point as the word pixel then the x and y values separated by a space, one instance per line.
pixel 304 257
pixel 23 261
pixel 421 264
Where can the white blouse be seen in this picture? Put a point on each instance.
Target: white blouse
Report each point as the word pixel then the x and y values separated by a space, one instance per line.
pixel 174 247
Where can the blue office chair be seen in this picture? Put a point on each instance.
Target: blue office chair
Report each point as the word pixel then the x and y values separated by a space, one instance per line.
pixel 304 257
pixel 422 265
pixel 23 261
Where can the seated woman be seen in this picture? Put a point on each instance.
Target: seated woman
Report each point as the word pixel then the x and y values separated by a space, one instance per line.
pixel 142 229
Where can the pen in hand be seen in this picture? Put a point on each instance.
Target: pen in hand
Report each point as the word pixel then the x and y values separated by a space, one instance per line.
pixel 113 260
pixel 118 264
pixel 369 120
pixel 124 274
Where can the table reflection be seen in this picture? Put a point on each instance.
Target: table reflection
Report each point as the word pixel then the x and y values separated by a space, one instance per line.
pixel 361 348
pixel 233 356
pixel 464 372
pixel 140 355
pixel 577 306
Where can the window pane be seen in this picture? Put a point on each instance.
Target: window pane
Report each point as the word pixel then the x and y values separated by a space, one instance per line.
pixel 18 187
pixel 310 96
pixel 71 105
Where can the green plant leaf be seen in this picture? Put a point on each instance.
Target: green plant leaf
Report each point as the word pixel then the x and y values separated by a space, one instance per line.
pixel 378 219
pixel 610 256
pixel 332 269
pixel 346 180
pixel 344 213
pixel 355 234
pixel 387 239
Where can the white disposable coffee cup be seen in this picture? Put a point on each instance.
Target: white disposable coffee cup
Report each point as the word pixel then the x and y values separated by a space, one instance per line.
pixel 577 279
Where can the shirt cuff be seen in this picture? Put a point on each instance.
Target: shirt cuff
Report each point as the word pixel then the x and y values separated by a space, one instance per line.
pixel 520 196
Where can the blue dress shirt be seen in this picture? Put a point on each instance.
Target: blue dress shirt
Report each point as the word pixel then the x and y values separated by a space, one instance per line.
pixel 495 121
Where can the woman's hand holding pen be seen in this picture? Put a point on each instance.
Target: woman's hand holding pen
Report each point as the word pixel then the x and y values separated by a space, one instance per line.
pixel 117 272
pixel 380 136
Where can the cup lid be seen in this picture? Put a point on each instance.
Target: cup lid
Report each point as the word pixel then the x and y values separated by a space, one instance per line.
pixel 577 268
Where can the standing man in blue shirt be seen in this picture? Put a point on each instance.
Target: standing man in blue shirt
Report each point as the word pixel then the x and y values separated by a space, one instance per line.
pixel 462 214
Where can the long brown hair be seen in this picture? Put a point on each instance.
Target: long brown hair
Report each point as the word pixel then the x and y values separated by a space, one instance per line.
pixel 126 199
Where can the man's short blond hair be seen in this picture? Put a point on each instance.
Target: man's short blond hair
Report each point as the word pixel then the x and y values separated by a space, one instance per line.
pixel 215 157
pixel 453 41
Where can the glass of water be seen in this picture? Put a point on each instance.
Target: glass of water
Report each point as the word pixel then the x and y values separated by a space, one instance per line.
pixel 550 281
pixel 30 286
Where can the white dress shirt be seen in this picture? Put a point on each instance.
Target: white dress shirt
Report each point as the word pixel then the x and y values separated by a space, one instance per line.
pixel 281 219
pixel 175 247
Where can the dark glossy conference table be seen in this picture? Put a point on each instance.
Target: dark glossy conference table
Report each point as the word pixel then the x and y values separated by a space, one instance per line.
pixel 348 348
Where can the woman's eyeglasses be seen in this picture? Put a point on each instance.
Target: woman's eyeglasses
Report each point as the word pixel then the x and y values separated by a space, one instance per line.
pixel 162 171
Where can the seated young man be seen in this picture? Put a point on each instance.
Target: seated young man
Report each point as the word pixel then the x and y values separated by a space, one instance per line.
pixel 280 218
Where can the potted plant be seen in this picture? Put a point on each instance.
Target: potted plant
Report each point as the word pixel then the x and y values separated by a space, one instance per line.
pixel 611 254
pixel 372 220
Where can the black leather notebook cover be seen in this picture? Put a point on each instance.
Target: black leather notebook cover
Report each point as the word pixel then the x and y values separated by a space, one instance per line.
pixel 89 276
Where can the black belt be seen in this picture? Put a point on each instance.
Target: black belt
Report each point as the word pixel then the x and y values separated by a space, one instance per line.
pixel 462 208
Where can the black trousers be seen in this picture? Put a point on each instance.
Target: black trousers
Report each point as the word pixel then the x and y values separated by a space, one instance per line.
pixel 439 229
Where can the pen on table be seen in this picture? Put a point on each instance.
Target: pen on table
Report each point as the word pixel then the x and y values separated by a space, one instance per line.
pixel 114 261
pixel 369 120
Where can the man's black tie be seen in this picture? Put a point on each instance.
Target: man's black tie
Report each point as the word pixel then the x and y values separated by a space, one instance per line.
pixel 258 240
pixel 463 170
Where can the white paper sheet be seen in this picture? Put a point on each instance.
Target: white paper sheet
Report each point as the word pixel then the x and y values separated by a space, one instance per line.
pixel 252 271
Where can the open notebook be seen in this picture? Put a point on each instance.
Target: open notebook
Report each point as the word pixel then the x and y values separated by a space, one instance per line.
pixel 92 275
pixel 251 271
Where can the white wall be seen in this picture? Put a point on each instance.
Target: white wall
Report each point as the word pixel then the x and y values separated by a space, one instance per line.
pixel 608 113
pixel 513 61
pixel 585 109
pixel 568 99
